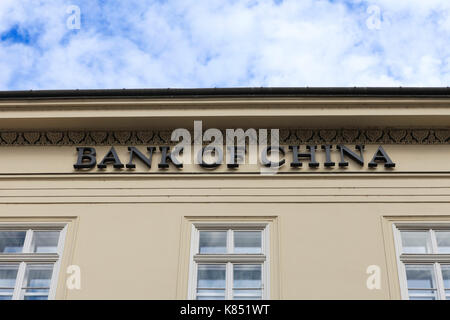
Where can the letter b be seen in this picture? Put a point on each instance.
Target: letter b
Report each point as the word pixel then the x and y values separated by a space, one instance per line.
pixel 86 158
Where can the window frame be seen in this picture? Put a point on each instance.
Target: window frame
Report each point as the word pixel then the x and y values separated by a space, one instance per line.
pixel 28 258
pixel 435 259
pixel 229 258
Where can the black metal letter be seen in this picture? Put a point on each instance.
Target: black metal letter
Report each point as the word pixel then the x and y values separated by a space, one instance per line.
pixel 381 155
pixel 308 155
pixel 346 151
pixel 134 151
pixel 328 162
pixel 111 157
pixel 214 164
pixel 235 156
pixel 167 156
pixel 86 158
pixel 269 163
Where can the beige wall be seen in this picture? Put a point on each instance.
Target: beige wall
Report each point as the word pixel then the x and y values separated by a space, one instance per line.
pixel 130 245
pixel 129 233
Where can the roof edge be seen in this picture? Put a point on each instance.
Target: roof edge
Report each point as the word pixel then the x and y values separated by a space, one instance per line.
pixel 420 92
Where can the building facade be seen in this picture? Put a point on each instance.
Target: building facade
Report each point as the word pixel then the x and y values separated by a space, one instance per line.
pixel 352 201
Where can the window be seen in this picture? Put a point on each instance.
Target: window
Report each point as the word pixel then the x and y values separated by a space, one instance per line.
pixel 424 260
pixel 229 261
pixel 29 260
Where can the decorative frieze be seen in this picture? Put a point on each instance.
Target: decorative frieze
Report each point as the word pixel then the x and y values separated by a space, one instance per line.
pixel 287 136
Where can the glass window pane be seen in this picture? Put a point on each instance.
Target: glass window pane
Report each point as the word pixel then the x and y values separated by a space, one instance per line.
pixel 247 276
pixel 12 241
pixel 8 275
pixel 213 242
pixel 210 298
pixel 36 297
pixel 211 294
pixel 247 242
pixel 420 277
pixel 211 276
pixel 416 242
pixel 45 241
pixel 37 281
pixel 446 275
pixel 247 294
pixel 38 276
pixel 443 241
pixel 413 296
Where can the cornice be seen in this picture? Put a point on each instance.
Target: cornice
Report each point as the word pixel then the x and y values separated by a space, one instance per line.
pixel 436 136
pixel 170 93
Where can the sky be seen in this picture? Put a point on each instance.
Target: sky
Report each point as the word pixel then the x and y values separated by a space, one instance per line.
pixel 92 44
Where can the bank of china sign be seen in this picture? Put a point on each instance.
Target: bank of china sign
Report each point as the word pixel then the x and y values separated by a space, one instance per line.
pixel 208 150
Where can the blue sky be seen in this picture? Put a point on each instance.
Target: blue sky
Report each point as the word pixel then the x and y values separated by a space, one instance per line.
pixel 223 43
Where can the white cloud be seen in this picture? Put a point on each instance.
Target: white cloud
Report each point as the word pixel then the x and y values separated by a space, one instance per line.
pixel 217 43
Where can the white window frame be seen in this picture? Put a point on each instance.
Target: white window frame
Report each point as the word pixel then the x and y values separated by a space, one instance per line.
pixel 29 258
pixel 229 258
pixel 434 259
